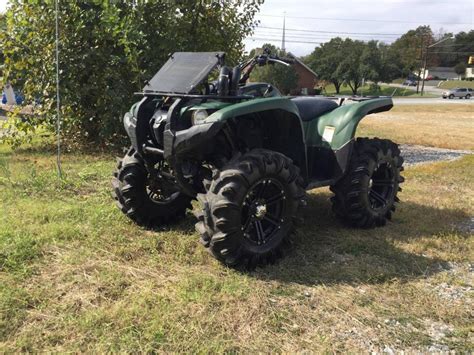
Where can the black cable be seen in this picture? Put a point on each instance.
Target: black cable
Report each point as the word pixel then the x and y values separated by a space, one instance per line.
pixel 363 20
pixel 331 32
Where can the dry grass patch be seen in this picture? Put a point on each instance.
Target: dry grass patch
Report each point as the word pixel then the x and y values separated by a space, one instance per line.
pixel 444 126
pixel 77 276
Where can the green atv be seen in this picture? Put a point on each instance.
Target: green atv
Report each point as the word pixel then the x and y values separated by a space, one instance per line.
pixel 248 159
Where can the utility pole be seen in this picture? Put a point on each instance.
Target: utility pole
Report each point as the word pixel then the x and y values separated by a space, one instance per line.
pixel 58 103
pixel 421 57
pixel 426 59
pixel 283 49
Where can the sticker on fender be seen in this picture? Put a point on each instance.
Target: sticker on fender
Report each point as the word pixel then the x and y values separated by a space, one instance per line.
pixel 328 133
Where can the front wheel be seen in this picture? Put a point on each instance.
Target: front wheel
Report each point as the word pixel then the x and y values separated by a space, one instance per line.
pixel 148 200
pixel 249 209
pixel 366 195
pixel 468 96
pixel 451 96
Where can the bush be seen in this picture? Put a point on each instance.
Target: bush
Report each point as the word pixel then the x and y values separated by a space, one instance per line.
pixel 107 51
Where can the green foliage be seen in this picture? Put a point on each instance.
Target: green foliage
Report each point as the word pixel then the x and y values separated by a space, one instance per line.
pixel 455 50
pixel 347 61
pixel 460 69
pixel 352 68
pixel 464 42
pixel 282 77
pixel 326 61
pixel 107 51
pixel 406 51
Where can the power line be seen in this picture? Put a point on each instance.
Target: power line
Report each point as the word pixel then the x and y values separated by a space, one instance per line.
pixel 333 32
pixel 279 40
pixel 453 45
pixel 312 37
pixel 321 36
pixel 363 20
pixel 452 52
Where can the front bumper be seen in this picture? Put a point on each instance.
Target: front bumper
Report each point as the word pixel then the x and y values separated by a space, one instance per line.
pixel 191 141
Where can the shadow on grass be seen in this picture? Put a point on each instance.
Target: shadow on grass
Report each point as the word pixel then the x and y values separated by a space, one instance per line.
pixel 327 252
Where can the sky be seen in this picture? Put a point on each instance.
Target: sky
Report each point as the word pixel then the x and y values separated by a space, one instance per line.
pixel 309 22
pixel 312 21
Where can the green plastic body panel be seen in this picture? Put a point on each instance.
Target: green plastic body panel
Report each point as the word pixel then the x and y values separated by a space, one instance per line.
pixel 344 119
pixel 210 105
pixel 252 106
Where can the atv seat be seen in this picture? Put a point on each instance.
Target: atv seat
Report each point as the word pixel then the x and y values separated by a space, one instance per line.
pixel 312 107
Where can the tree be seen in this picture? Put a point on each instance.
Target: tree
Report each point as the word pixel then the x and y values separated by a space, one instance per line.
pixel 371 62
pixel 460 69
pixel 3 28
pixel 352 69
pixel 282 77
pixel 464 42
pixel 390 69
pixel 350 62
pixel 325 61
pixel 407 51
pixel 107 51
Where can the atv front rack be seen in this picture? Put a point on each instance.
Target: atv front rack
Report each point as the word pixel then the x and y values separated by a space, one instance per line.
pixel 194 96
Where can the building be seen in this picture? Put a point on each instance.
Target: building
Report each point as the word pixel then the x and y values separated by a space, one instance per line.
pixel 307 78
pixel 470 72
pixel 440 73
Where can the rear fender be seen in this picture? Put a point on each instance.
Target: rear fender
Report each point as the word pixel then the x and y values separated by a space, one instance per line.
pixel 337 127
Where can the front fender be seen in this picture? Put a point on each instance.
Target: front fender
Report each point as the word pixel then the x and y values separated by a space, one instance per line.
pixel 343 121
pixel 130 123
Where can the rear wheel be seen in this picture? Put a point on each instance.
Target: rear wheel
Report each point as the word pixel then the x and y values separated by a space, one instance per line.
pixel 468 96
pixel 150 201
pixel 249 209
pixel 366 195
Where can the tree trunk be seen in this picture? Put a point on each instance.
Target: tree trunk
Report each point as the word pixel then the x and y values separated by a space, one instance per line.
pixel 353 87
pixel 337 85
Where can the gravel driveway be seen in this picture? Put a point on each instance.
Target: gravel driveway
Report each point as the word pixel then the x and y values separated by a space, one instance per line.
pixel 417 154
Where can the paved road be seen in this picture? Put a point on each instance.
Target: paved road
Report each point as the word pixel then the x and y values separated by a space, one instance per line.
pixel 428 88
pixel 431 101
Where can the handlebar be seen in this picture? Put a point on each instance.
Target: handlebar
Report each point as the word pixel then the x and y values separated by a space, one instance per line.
pixel 285 61
pixel 261 60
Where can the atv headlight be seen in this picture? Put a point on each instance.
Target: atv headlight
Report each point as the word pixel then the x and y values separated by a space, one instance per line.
pixel 199 116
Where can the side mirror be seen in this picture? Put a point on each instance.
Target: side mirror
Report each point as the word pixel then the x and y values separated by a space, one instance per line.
pixel 261 60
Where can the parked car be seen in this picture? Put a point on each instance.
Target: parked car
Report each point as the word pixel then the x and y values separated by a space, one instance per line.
pixel 429 77
pixel 458 92
pixel 18 98
pixel 409 83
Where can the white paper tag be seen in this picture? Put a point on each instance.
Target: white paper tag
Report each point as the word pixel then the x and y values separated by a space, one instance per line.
pixel 328 133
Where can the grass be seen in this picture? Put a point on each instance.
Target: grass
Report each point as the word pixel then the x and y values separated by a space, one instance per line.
pixel 430 125
pixel 399 81
pixel 450 84
pixel 77 276
pixel 384 90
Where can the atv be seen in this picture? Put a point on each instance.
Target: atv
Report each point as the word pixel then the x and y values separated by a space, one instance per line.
pixel 248 159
